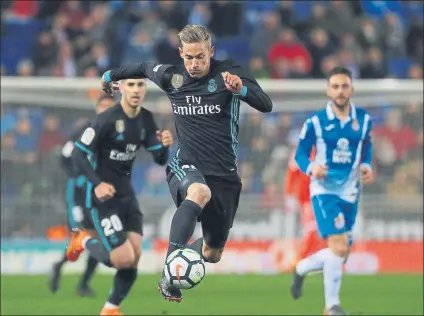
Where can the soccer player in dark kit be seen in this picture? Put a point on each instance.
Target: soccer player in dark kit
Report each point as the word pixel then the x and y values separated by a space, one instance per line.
pixel 205 95
pixel 105 153
pixel 78 215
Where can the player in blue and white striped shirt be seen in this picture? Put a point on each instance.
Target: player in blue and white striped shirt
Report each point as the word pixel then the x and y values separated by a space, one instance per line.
pixel 341 135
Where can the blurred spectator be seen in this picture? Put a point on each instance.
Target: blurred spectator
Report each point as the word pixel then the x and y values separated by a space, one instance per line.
pixel 250 181
pixel 226 17
pixel 251 126
pixel 327 64
pixel 154 28
pixel 21 9
pixel 95 24
pixel 167 50
pixel 45 53
pixel 319 18
pixel 200 14
pixel 75 13
pixel 414 39
pixel 155 182
pixel 347 60
pixel 400 136
pixel 8 120
pixel 271 197
pixel 368 34
pixel 26 141
pixel 341 17
pixel 66 66
pixel 374 65
pixel 173 14
pixel 287 15
pixel 59 28
pixel 257 68
pixel 394 35
pixel 415 72
pixel 319 47
pixel 265 35
pixel 289 48
pixel 413 115
pixel 51 137
pixel 140 47
pixel 350 43
pixel 97 57
pixel 259 153
pixel 8 148
pixel 25 68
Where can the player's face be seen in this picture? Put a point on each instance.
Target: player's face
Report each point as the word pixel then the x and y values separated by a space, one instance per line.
pixel 197 58
pixel 340 90
pixel 104 105
pixel 133 91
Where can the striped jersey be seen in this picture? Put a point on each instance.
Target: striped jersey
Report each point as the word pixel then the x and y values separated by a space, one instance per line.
pixel 340 145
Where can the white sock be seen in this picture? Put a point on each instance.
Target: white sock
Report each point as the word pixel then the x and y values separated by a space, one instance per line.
pixel 85 240
pixel 110 305
pixel 313 262
pixel 332 270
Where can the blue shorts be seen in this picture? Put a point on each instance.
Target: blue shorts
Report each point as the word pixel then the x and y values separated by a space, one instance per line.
pixel 333 215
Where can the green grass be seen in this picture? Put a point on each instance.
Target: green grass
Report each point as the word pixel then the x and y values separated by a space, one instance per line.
pixel 218 295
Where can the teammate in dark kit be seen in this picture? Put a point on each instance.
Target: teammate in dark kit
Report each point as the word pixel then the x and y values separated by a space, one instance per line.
pixel 105 153
pixel 205 95
pixel 75 201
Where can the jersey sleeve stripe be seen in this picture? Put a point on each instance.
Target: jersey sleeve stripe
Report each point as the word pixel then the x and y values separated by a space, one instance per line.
pixel 154 147
pixel 83 148
pixel 321 147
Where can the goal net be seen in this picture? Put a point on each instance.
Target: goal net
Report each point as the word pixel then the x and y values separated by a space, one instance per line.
pixel 38 115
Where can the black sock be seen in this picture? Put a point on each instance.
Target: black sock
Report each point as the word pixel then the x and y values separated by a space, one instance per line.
pixel 183 225
pixel 63 260
pixel 124 279
pixel 197 246
pixel 89 271
pixel 98 252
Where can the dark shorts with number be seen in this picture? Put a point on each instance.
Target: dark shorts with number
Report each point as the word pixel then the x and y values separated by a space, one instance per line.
pixel 218 215
pixel 114 218
pixel 78 216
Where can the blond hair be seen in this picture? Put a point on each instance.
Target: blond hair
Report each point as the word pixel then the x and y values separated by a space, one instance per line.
pixel 194 34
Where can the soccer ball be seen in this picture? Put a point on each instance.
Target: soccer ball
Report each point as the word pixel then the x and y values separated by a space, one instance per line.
pixel 184 268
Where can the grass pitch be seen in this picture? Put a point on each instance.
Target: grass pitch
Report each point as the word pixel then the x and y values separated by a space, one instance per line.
pixel 218 295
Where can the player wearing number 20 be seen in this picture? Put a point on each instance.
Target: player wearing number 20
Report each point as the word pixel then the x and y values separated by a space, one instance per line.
pixel 105 153
pixel 341 135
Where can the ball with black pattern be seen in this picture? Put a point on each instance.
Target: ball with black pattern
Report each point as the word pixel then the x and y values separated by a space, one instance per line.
pixel 184 269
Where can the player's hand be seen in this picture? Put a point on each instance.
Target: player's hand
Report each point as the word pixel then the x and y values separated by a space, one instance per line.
pixel 110 87
pixel 165 137
pixel 367 175
pixel 319 171
pixel 104 191
pixel 233 83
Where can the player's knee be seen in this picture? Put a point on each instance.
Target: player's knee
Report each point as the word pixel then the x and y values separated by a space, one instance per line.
pixel 123 257
pixel 199 193
pixel 339 245
pixel 137 256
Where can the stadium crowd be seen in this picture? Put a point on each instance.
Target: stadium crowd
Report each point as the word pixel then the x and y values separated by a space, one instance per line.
pixel 290 39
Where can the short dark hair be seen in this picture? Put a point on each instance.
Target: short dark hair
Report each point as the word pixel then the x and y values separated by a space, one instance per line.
pixel 339 71
pixel 104 97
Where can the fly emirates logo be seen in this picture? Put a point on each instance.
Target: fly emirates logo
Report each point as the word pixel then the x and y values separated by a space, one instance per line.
pixel 194 106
